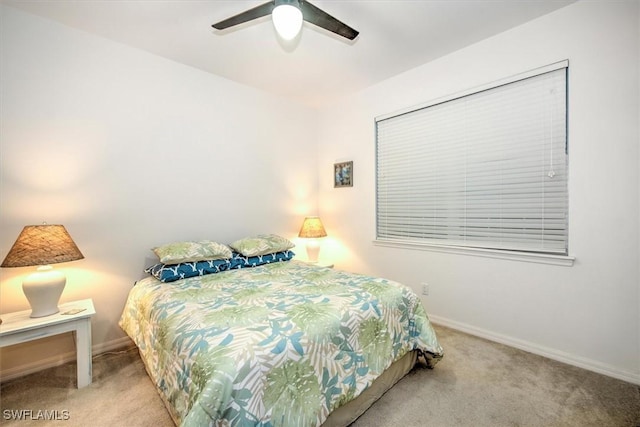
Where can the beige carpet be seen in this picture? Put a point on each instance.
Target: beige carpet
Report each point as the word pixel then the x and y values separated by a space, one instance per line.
pixel 478 383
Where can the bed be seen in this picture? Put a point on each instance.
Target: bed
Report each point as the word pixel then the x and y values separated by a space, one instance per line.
pixel 277 342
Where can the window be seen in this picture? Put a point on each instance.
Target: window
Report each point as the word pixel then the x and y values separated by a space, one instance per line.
pixel 483 169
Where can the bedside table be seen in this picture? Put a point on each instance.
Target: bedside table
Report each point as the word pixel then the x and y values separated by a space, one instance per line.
pixel 320 264
pixel 18 327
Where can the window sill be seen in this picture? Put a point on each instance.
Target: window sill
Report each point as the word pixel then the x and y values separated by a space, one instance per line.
pixel 562 260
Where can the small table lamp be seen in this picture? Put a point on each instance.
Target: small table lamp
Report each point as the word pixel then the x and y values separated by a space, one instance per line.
pixel 311 230
pixel 43 245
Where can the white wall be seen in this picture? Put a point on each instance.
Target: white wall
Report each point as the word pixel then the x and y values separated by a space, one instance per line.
pixel 128 151
pixel 587 314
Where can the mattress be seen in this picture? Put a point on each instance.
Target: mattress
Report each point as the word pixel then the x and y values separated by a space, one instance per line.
pixel 282 344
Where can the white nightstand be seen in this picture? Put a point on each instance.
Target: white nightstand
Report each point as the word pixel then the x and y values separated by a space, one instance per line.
pixel 18 327
pixel 320 263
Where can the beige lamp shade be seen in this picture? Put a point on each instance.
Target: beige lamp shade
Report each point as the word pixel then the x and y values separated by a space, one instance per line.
pixel 43 245
pixel 312 228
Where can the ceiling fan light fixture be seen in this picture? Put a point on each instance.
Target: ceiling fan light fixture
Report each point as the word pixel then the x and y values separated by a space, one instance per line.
pixel 287 18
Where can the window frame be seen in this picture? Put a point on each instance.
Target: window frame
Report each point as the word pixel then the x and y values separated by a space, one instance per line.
pixel 511 254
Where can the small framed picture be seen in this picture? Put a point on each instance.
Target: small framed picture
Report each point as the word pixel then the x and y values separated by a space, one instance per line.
pixel 343 174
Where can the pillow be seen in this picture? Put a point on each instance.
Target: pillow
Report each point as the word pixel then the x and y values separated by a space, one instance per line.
pixel 173 272
pixel 241 261
pixel 175 253
pixel 262 244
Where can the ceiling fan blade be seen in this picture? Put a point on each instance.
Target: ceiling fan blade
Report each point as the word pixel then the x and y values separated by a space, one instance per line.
pixel 322 19
pixel 248 15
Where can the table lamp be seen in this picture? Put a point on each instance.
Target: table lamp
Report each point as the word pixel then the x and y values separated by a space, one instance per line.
pixel 312 229
pixel 43 245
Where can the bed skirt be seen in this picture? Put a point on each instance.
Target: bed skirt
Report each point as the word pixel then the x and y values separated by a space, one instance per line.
pixel 346 414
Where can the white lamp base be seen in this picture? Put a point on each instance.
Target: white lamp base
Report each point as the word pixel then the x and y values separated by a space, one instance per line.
pixel 313 250
pixel 43 290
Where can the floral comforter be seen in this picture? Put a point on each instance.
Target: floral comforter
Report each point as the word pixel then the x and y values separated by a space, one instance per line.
pixel 281 344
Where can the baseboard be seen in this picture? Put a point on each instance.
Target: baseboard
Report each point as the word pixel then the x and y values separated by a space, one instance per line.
pixel 60 359
pixel 111 345
pixel 580 362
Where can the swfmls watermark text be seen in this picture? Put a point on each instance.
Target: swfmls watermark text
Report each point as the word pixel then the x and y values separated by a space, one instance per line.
pixel 35 415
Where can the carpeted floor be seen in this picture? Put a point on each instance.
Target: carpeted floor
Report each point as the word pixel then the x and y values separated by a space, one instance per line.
pixel 478 383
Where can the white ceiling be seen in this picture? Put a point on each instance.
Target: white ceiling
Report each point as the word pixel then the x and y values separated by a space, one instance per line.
pixel 317 67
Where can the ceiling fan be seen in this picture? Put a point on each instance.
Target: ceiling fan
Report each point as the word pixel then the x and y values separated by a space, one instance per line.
pixel 287 17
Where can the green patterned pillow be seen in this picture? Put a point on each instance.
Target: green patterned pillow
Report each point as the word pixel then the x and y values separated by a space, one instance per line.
pixel 262 244
pixel 177 252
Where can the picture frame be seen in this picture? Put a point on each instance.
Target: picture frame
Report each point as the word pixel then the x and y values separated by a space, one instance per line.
pixel 343 174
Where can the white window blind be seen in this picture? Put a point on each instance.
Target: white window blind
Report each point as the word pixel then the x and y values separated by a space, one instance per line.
pixel 487 169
